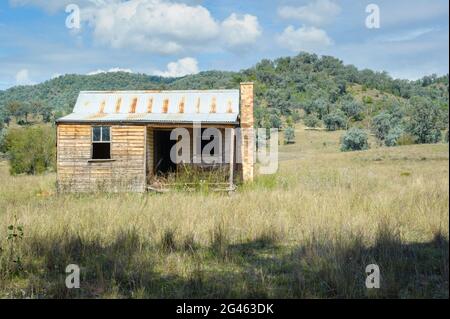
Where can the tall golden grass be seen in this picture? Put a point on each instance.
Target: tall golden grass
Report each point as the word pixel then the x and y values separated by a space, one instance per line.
pixel 308 231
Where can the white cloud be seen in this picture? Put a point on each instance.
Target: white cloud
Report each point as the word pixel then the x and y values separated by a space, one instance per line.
pixel 151 25
pixel 158 26
pixel 112 70
pixel 240 32
pixel 317 13
pixel 310 39
pixel 406 36
pixel 23 77
pixel 179 68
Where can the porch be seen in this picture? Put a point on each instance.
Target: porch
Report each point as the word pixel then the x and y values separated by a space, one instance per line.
pixel 205 158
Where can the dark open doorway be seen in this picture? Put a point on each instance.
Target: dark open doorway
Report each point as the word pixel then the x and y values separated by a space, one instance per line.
pixel 163 145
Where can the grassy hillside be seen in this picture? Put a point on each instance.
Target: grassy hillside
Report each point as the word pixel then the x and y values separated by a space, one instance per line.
pixel 308 231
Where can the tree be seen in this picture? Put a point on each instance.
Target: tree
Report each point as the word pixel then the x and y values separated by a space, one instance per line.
pixel 318 106
pixel 260 115
pixel 275 121
pixel 354 139
pixel 5 118
pixel 353 109
pixel 289 135
pixel 424 120
pixel 335 120
pixel 279 100
pixel 31 150
pixel 26 110
pixel 14 109
pixel 44 111
pixel 307 81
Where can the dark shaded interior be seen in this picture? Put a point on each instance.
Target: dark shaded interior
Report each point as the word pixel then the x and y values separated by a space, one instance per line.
pixel 163 145
pixel 205 141
pixel 101 150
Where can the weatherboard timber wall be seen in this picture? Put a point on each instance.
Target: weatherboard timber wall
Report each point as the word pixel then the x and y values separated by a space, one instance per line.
pixel 76 172
pixel 247 135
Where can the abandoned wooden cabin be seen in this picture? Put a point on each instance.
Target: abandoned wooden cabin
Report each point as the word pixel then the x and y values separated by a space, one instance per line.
pixel 120 140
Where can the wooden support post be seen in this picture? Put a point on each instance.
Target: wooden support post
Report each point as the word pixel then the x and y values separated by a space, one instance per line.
pixel 231 178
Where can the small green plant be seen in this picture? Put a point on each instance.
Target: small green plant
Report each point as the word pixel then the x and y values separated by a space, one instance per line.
pixel 219 241
pixel 15 234
pixel 405 139
pixel 189 244
pixel 168 242
pixel 289 135
pixel 367 99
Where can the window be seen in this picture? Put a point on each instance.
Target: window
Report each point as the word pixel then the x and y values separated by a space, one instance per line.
pixel 101 142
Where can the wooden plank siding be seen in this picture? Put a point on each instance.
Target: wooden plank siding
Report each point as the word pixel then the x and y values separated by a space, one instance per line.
pixel 125 171
pixel 132 158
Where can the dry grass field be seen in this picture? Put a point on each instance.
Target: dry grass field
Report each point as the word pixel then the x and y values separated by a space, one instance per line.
pixel 307 232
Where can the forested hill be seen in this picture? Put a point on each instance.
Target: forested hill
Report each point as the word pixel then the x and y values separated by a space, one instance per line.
pixel 61 93
pixel 285 89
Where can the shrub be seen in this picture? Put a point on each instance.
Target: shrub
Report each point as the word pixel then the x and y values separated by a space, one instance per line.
pixel 3 140
pixel 289 121
pixel 368 99
pixel 354 139
pixel 296 116
pixel 381 125
pixel 289 135
pixel 393 136
pixel 335 120
pixel 405 139
pixel 31 150
pixel 311 120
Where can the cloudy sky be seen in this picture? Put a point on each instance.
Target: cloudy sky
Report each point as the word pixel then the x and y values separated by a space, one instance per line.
pixel 40 40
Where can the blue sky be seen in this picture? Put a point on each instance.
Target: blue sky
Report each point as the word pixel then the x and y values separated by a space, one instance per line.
pixel 173 38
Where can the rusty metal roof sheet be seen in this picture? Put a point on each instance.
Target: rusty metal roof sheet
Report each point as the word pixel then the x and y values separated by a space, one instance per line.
pixel 210 106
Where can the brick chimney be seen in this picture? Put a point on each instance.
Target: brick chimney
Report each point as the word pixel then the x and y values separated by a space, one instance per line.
pixel 247 131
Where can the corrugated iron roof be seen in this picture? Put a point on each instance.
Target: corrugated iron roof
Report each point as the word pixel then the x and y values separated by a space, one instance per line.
pixel 210 106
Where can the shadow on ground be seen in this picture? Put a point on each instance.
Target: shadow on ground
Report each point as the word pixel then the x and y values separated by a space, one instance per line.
pixel 321 267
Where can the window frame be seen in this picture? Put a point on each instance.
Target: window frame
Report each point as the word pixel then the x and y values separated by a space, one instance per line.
pixel 101 141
